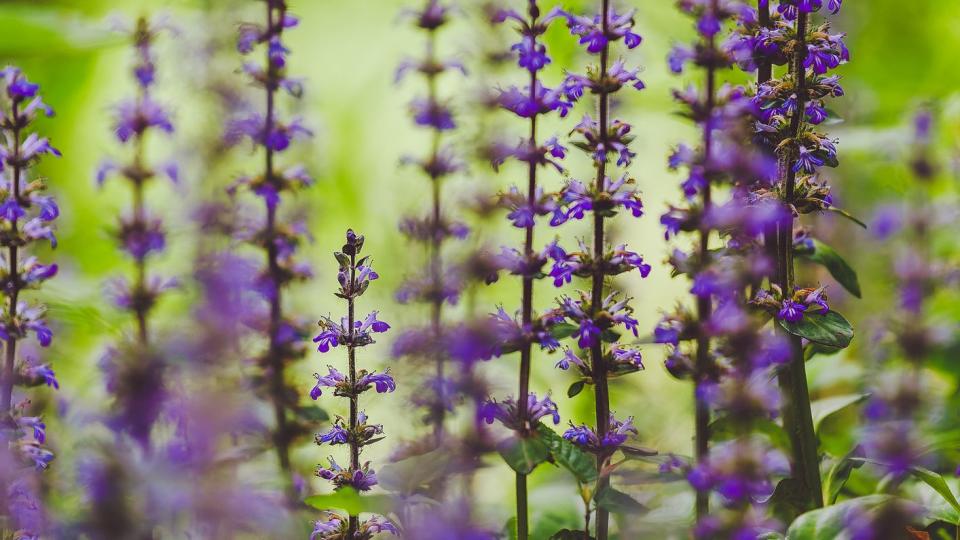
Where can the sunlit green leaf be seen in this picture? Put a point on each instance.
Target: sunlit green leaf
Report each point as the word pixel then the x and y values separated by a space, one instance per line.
pixel 838 267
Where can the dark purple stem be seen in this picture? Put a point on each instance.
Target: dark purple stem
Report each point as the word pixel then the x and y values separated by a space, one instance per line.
pixel 526 314
pixel 602 391
pixel 352 368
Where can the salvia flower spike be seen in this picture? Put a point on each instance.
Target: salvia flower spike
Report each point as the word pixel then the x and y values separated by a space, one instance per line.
pixel 278 240
pixel 27 218
pixel 600 316
pixel 351 332
pixel 792 110
pixel 528 102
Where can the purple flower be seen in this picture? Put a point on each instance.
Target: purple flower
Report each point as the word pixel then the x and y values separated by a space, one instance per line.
pixel 508 413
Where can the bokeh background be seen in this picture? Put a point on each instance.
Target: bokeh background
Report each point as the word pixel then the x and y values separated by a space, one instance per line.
pixel 903 57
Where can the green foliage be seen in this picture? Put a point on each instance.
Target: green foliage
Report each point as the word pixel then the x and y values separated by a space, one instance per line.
pixel 582 465
pixel 829 329
pixel 618 502
pixel 829 522
pixel 414 473
pixel 841 271
pixel 523 454
pixel 839 474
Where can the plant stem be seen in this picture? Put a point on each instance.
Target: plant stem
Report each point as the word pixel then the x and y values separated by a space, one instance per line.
pixel 598 365
pixel 526 311
pixel 352 368
pixel 797 416
pixel 704 302
pixel 139 219
pixel 6 393
pixel 438 413
pixel 275 358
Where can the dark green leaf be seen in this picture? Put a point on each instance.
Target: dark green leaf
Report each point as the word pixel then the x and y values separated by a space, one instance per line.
pixel 581 464
pixel 313 413
pixel 638 452
pixel 523 454
pixel 829 522
pixel 823 408
pixel 831 260
pixel 563 330
pixel 351 502
pixel 840 473
pixel 618 502
pixel 575 388
pixel 829 329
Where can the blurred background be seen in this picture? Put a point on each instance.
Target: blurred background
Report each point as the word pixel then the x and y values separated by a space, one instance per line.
pixel 903 57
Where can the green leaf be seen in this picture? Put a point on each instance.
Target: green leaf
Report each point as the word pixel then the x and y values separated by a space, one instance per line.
pixel 566 454
pixel 841 271
pixel 840 473
pixel 312 413
pixel 618 502
pixel 938 484
pixel 827 523
pixel 847 215
pixel 409 475
pixel 523 454
pixel 829 329
pixel 575 388
pixel 563 330
pixel 348 500
pixel 823 408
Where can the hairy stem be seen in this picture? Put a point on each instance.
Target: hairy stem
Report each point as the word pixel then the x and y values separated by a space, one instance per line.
pixel 797 416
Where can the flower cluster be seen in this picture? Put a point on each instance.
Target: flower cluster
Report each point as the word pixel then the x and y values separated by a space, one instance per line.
pixel 278 240
pixel 354 276
pixel 594 316
pixel 721 345
pixel 26 217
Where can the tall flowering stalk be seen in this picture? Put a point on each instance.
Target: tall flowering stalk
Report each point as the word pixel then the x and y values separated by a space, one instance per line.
pixel 26 216
pixel 441 285
pixel 528 102
pixel 791 109
pixel 596 314
pixel 356 432
pixel 279 241
pixel 135 370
